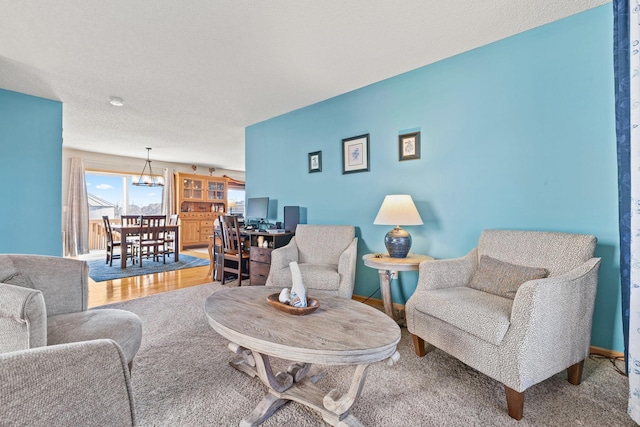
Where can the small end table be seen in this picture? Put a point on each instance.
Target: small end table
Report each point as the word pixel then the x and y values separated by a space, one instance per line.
pixel 388 269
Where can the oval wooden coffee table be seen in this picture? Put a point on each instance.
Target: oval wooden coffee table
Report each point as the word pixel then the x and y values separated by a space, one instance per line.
pixel 339 332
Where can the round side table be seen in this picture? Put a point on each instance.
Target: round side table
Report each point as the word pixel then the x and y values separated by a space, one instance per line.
pixel 388 268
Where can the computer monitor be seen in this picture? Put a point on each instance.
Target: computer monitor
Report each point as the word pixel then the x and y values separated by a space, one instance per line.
pixel 257 209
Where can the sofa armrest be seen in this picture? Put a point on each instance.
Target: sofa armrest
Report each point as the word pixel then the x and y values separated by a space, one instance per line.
pixel 63 281
pixel 547 311
pixel 347 269
pixel 281 257
pixel 83 383
pixel 23 318
pixel 447 273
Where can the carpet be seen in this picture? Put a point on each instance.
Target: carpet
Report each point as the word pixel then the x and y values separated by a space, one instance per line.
pixel 99 271
pixel 181 377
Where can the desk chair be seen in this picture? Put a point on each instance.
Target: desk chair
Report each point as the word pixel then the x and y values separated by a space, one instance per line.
pixel 233 250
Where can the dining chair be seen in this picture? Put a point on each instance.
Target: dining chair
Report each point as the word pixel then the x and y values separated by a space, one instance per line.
pixel 151 242
pixel 112 244
pixel 235 257
pixel 170 236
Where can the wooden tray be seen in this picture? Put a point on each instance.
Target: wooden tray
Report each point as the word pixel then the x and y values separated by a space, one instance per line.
pixel 312 305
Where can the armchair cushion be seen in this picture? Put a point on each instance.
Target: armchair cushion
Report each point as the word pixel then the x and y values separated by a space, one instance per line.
pixel 478 313
pixel 502 278
pixel 121 326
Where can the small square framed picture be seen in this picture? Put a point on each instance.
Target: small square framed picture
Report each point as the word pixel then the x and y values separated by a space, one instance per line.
pixel 315 161
pixel 355 154
pixel 409 146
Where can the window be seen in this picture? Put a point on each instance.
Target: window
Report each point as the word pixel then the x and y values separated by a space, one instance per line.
pixel 113 195
pixel 236 196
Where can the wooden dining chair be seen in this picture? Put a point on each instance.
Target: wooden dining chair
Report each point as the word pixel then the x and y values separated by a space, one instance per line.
pixel 235 255
pixel 151 241
pixel 170 236
pixel 112 243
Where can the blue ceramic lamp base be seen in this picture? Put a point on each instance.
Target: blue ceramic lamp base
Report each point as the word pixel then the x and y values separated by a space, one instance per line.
pixel 398 242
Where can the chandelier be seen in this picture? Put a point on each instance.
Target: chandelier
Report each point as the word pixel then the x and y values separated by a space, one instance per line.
pixel 148 179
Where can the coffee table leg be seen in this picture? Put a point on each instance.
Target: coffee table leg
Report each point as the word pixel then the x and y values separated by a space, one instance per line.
pixel 296 384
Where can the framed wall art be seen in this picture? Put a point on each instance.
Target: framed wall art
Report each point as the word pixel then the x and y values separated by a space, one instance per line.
pixel 355 154
pixel 409 146
pixel 315 161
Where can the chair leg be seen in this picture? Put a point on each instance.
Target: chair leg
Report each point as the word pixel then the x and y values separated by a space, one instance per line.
pixel 515 403
pixel 418 345
pixel 574 373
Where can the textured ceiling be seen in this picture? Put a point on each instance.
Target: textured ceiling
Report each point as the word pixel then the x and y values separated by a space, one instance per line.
pixel 194 73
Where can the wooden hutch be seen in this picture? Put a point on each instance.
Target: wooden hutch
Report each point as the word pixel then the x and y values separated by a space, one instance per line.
pixel 200 200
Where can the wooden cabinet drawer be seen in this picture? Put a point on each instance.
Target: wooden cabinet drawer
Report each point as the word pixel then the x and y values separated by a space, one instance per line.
pixel 260 254
pixel 259 273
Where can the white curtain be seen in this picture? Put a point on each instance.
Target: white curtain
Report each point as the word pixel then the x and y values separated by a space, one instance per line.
pixel 168 194
pixel 633 361
pixel 77 213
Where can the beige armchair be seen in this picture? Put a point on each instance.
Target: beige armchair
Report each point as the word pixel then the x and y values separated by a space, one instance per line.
pixel 326 255
pixel 78 384
pixel 517 308
pixel 43 301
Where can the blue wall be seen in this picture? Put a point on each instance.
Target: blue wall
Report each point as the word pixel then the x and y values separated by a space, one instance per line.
pixel 30 174
pixel 517 134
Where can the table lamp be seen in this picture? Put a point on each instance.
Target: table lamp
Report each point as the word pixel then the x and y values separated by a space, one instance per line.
pixel 398 209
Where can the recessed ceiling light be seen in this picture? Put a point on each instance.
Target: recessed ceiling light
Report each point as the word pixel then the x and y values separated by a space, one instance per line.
pixel 116 101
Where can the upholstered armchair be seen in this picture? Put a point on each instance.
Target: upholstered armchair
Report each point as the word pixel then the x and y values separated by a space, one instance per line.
pixel 43 301
pixel 326 255
pixel 78 384
pixel 517 308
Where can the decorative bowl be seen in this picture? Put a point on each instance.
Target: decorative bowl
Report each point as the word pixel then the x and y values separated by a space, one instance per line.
pixel 312 305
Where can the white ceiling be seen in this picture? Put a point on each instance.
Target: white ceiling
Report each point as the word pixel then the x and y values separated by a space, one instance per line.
pixel 194 73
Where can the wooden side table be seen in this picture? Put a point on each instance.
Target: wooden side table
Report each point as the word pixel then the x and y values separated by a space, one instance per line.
pixel 388 269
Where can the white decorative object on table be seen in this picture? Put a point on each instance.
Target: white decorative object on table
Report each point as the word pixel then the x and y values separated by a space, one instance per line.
pixel 298 292
pixel 285 296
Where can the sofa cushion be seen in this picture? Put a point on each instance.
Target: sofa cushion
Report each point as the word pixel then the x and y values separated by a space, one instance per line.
pixel 484 315
pixel 9 274
pixel 502 278
pixel 121 326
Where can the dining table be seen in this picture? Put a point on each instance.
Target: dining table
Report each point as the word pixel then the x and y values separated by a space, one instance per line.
pixel 134 230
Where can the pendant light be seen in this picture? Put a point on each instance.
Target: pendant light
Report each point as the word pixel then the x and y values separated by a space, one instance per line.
pixel 148 179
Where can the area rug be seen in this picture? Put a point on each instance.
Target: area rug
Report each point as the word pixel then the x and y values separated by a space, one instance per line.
pixel 181 377
pixel 99 271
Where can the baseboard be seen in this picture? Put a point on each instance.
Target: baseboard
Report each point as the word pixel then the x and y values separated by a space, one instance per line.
pixel 377 303
pixel 606 352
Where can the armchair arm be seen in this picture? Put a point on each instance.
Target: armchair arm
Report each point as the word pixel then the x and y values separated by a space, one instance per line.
pixel 84 383
pixel 447 273
pixel 552 318
pixel 63 281
pixel 23 318
pixel 347 269
pixel 281 257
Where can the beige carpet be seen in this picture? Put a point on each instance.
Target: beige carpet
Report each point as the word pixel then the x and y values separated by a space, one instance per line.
pixel 181 377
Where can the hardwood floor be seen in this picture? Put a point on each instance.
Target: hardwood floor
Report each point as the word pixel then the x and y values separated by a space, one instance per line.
pixel 110 291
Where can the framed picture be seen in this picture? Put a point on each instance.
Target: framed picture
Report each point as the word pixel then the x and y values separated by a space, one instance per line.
pixel 315 162
pixel 409 146
pixel 355 154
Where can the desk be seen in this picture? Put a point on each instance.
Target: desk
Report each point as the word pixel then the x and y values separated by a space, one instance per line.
pixel 388 269
pixel 326 337
pixel 134 230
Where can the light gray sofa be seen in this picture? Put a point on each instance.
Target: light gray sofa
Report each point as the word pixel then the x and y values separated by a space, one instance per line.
pixel 78 384
pixel 483 309
pixel 326 255
pixel 43 301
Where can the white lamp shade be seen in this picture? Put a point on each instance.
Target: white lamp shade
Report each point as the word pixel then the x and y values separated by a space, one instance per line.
pixel 398 209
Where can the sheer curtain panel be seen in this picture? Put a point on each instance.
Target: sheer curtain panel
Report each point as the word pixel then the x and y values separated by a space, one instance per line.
pixel 77 213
